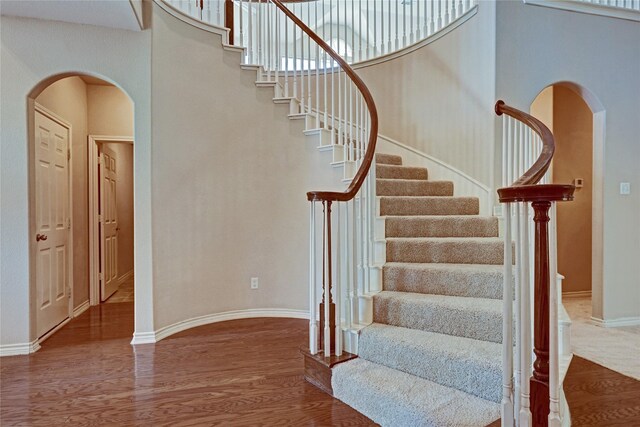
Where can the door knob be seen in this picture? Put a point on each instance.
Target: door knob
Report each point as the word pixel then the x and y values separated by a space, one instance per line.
pixel 41 237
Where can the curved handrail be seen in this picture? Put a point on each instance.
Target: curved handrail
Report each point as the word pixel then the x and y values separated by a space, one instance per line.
pixel 363 170
pixel 540 167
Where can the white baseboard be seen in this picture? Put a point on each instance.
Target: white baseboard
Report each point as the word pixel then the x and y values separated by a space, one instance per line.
pixel 143 338
pixel 81 308
pixel 153 337
pixel 614 323
pixel 576 294
pixel 19 349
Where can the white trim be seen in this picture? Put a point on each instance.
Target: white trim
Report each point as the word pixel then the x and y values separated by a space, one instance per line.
pixel 94 243
pixel 19 349
pixel 614 323
pixel 153 337
pixel 589 8
pixel 81 308
pixel 38 108
pixel 463 183
pixel 576 294
pixel 224 32
pixel 426 41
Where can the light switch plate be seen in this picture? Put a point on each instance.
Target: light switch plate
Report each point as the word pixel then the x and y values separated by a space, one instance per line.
pixel 625 188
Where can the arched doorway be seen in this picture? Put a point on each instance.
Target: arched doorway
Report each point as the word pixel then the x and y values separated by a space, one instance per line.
pixel 577 118
pixel 74 121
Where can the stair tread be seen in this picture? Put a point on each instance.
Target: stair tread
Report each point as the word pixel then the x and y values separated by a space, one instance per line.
pixel 395 398
pixel 466 364
pixel 388 159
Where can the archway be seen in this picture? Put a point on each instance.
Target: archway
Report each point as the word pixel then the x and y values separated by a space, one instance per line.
pixel 74 120
pixel 577 119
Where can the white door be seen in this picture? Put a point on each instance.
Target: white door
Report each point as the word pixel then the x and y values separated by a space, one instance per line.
pixel 52 223
pixel 109 223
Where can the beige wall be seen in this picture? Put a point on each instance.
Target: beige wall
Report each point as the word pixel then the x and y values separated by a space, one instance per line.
pixel 573 131
pixel 439 99
pixel 68 99
pixel 230 177
pixel 540 46
pixel 124 201
pixel 110 111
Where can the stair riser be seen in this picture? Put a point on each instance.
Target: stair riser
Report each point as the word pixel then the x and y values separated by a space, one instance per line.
pixel 400 172
pixel 480 325
pixel 434 206
pixel 394 187
pixel 445 252
pixel 438 282
pixel 388 159
pixel 481 378
pixel 441 227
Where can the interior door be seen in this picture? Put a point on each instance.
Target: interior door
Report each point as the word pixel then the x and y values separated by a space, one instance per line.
pixel 109 223
pixel 52 223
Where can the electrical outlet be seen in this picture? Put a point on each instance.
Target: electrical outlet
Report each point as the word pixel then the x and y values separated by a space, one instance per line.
pixel 625 188
pixel 254 283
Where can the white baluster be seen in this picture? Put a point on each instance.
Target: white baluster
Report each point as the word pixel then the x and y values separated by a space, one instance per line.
pixel 337 288
pixel 397 29
pixel 313 323
pixel 507 327
pixel 554 302
pixel 309 69
pixel 251 33
pixel 327 279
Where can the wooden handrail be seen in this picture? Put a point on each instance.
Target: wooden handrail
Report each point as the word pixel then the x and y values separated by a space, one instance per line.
pixel 362 172
pixel 540 167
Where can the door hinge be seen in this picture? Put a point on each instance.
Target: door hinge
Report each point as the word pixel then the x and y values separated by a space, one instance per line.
pixel 69 292
pixel 68 223
pixel 100 218
pixel 100 276
pixel 68 153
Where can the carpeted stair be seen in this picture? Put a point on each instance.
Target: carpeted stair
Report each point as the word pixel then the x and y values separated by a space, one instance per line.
pixel 432 357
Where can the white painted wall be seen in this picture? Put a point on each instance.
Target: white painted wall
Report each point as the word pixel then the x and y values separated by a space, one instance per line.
pixel 439 99
pixel 32 51
pixel 538 46
pixel 230 176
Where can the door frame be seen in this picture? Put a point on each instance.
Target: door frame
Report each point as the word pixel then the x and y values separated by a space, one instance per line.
pixel 38 108
pixel 94 225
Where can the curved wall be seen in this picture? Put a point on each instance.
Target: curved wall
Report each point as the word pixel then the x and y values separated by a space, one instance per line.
pixel 439 99
pixel 230 173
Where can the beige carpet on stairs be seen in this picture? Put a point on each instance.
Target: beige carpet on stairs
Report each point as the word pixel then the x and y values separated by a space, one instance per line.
pixel 432 357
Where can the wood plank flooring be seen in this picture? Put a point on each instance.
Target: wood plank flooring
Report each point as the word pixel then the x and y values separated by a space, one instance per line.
pixel 237 373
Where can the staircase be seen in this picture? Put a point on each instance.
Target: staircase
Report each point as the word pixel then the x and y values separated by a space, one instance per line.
pixel 433 354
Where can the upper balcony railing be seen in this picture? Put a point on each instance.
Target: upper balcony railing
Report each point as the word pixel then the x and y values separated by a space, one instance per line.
pixel 621 9
pixel 359 30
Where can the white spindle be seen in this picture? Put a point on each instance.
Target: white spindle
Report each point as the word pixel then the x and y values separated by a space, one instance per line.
pixel 313 323
pixel 507 328
pixel 327 279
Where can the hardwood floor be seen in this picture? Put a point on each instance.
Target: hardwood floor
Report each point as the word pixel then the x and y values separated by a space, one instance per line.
pixel 237 373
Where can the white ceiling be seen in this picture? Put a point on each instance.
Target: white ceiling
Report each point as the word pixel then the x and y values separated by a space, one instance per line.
pixel 106 13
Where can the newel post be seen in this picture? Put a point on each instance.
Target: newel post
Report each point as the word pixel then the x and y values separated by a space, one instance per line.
pixel 228 19
pixel 539 382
